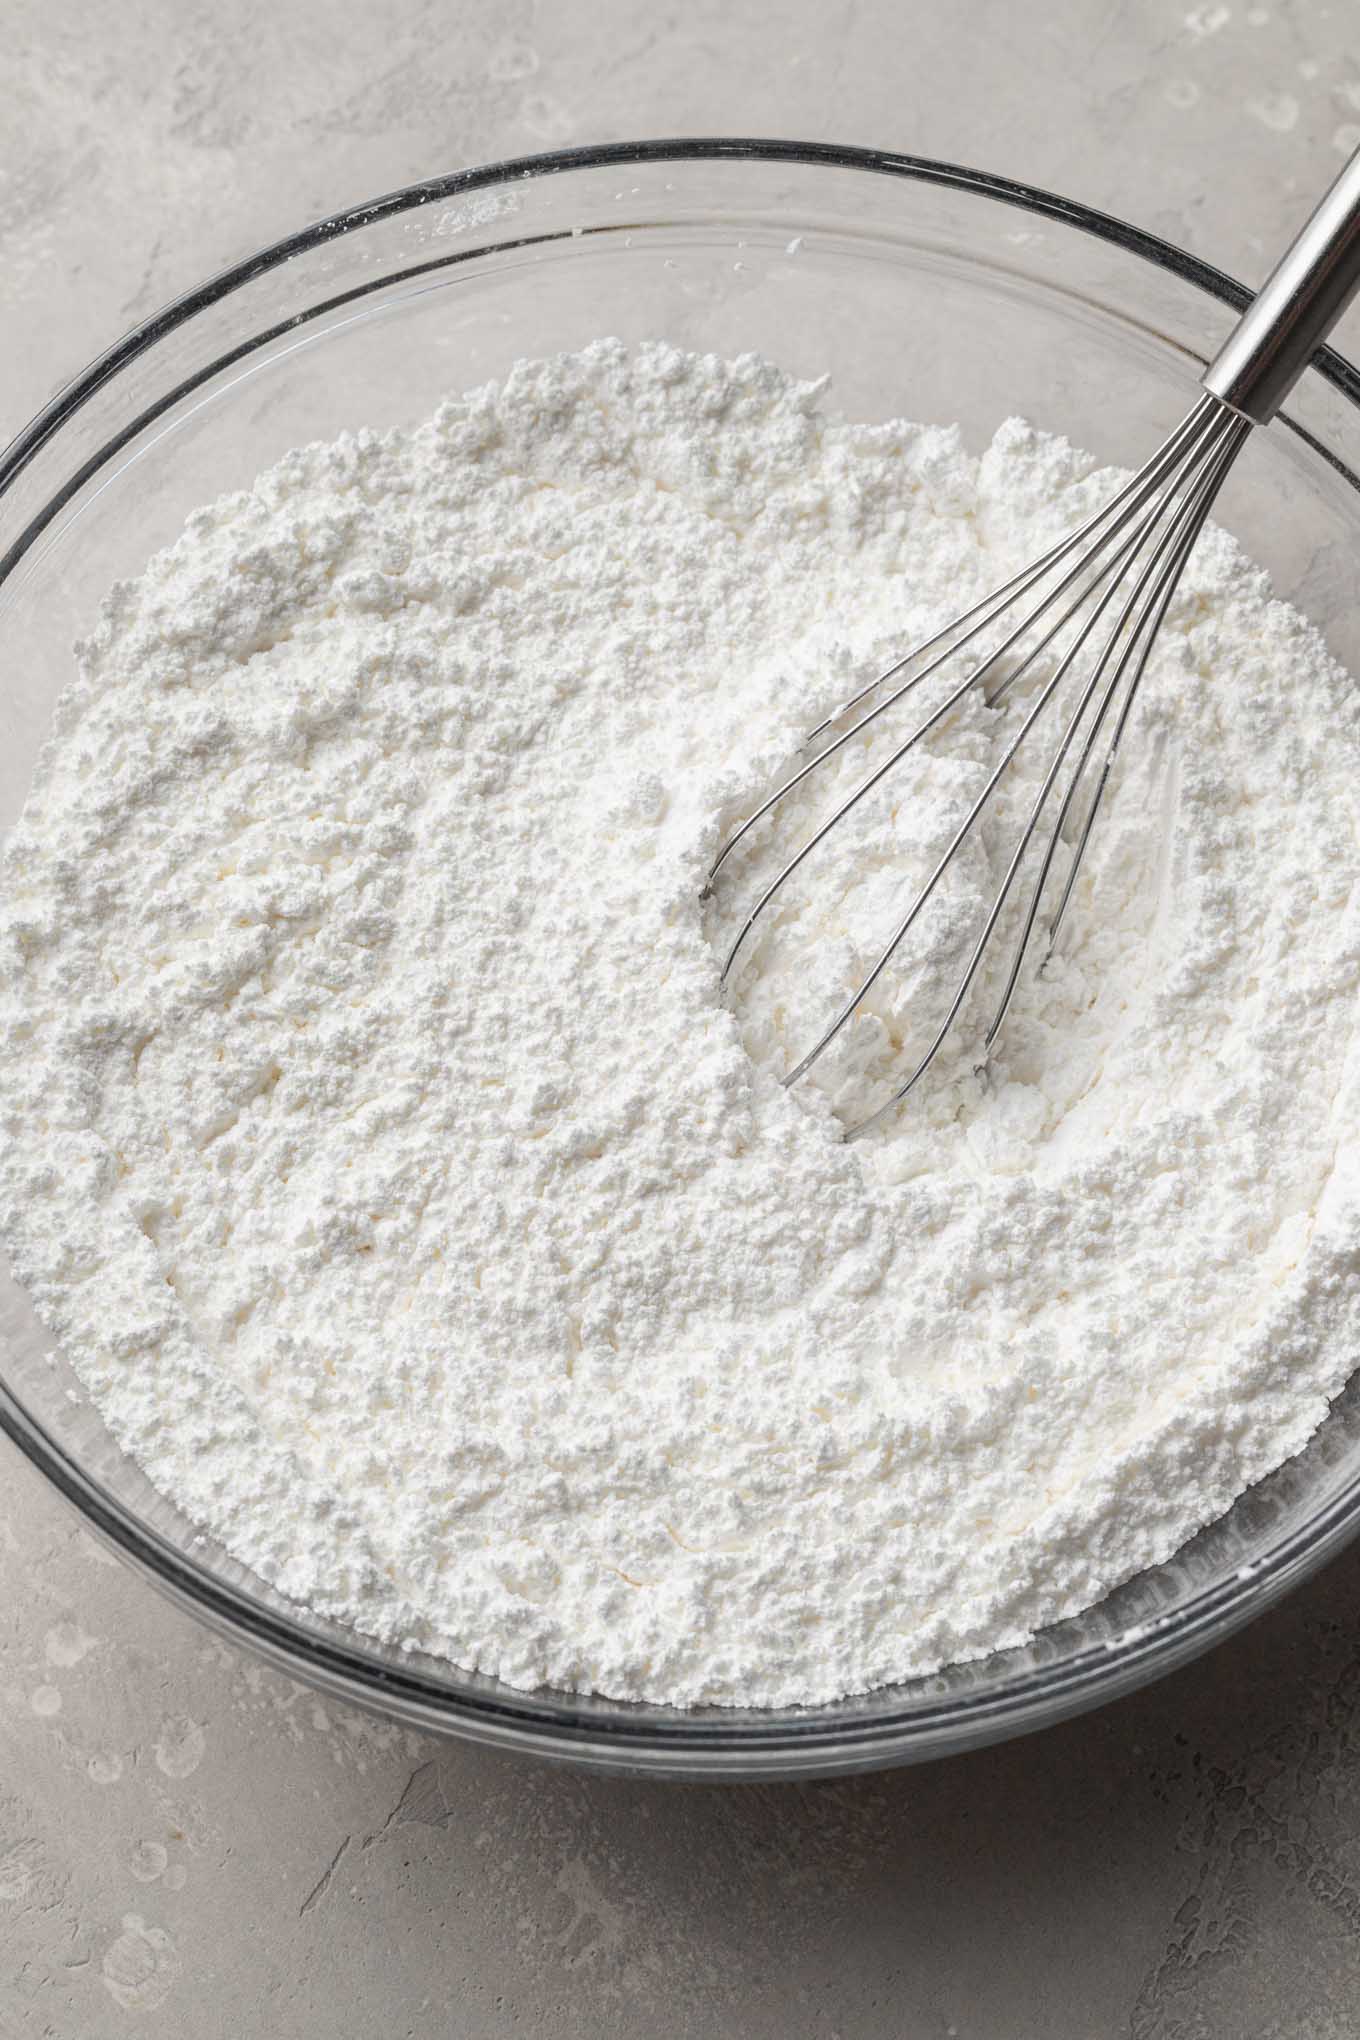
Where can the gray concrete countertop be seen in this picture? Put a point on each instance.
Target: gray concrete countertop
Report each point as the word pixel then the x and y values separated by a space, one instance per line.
pixel 192 1845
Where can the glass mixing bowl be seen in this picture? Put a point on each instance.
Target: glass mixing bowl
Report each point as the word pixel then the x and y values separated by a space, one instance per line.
pixel 924 289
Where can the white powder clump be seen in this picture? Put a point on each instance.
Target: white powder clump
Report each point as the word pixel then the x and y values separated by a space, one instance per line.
pixel 380 1150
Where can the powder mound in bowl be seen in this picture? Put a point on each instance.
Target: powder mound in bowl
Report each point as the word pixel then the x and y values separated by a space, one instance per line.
pixel 379 1148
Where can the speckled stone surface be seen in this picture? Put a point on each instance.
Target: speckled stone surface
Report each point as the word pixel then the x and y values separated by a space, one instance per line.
pixel 190 1844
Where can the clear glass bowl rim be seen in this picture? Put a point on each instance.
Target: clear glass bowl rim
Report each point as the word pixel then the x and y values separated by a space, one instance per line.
pixel 644 1739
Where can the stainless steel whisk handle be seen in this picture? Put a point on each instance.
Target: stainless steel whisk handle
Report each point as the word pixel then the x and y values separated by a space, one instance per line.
pixel 1295 309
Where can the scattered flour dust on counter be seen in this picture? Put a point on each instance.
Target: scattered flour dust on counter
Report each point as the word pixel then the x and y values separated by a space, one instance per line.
pixel 379 1149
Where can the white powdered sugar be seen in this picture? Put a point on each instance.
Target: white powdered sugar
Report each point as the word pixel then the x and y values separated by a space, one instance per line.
pixel 383 1155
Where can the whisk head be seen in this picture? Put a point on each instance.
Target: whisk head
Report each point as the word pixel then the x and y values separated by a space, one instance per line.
pixel 1100 594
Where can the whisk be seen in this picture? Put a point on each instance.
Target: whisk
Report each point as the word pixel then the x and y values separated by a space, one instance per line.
pixel 1102 592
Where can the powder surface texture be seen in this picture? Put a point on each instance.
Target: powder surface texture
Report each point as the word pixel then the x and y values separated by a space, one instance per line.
pixel 379 1147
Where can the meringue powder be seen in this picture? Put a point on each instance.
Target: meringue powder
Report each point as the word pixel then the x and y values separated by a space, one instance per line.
pixel 411 1203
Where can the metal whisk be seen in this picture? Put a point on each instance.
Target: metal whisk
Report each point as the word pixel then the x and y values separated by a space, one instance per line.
pixel 1104 591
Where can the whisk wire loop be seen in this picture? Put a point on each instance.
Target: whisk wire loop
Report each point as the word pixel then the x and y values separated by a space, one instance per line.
pixel 1138 541
pixel 1146 529
pixel 1143 538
